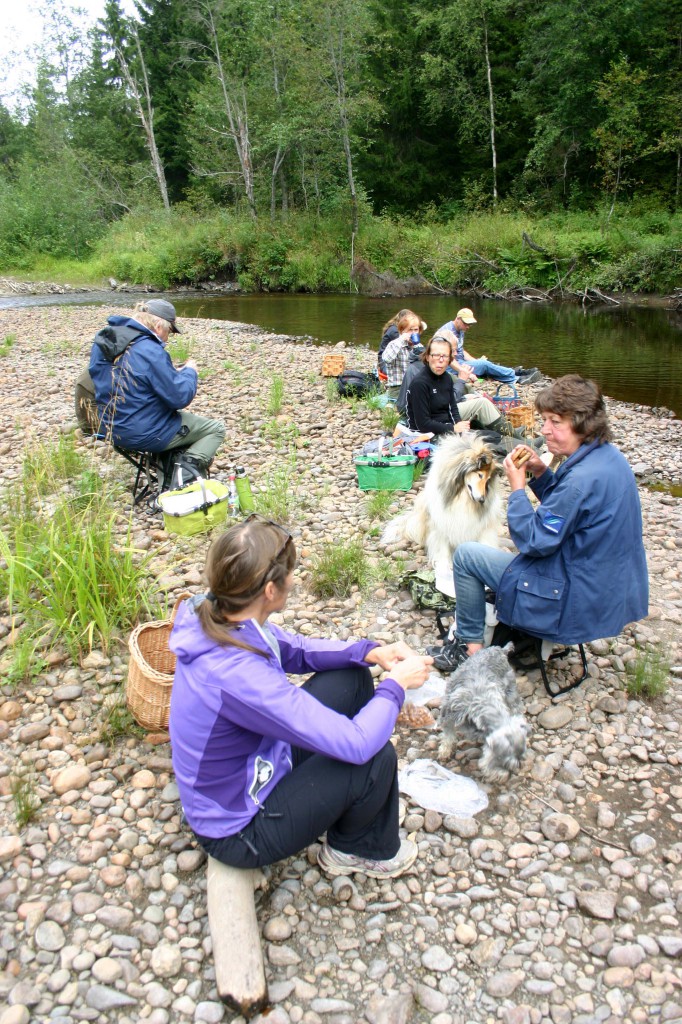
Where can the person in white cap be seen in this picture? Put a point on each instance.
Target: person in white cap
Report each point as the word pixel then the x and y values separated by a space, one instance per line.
pixel 469 368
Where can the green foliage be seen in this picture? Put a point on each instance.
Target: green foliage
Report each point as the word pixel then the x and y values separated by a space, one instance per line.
pixel 6 344
pixel 332 389
pixel 26 800
pixel 378 504
pixel 180 348
pixel 648 676
pixel 276 394
pixel 338 568
pixel 26 663
pixel 71 568
pixel 389 418
pixel 276 497
pixel 117 722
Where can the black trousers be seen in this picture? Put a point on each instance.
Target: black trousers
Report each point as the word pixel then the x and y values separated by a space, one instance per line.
pixel 356 805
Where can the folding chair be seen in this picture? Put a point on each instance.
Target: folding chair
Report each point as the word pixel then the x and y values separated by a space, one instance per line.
pixel 150 471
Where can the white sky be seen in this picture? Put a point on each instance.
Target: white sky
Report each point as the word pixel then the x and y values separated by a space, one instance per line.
pixel 22 31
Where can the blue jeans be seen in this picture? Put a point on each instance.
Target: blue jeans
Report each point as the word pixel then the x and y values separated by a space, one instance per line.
pixel 484 368
pixel 475 567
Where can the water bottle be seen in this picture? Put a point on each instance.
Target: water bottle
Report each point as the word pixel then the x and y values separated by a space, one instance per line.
pixel 244 490
pixel 232 498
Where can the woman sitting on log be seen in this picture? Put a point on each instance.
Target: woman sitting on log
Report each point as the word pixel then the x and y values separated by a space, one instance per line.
pixel 265 767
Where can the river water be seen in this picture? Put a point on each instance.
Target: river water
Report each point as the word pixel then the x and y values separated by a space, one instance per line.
pixel 634 352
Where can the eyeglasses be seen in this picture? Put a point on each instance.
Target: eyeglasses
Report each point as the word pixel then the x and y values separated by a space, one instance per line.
pixel 439 358
pixel 255 517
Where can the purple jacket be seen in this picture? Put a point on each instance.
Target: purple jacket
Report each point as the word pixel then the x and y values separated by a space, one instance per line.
pixel 235 716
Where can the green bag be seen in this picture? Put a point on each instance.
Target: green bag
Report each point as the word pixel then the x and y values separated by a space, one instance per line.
pixel 422 588
pixel 194 509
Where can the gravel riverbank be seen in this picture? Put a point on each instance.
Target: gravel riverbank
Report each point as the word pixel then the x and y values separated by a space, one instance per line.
pixel 561 903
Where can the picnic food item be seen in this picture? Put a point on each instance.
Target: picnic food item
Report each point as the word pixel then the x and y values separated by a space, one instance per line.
pixel 520 456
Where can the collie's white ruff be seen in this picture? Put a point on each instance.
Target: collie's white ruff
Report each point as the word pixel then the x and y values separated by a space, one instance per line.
pixel 461 501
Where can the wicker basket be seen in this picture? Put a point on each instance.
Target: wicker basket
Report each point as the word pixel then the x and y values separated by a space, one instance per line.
pixel 150 671
pixel 522 416
pixel 333 365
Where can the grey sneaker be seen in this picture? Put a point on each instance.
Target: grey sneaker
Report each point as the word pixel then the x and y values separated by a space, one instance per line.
pixel 451 656
pixel 529 378
pixel 333 862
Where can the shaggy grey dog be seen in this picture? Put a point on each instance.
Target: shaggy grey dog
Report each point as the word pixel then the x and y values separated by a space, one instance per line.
pixel 482 703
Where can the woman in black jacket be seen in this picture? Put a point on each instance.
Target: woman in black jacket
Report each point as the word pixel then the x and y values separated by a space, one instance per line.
pixel 431 399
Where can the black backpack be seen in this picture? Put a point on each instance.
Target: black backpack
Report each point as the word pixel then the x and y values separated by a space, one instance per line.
pixel 352 383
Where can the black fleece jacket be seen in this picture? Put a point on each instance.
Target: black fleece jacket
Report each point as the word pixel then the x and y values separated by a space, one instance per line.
pixel 431 403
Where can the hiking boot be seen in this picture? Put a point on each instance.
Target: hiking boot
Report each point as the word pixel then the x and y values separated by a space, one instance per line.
pixel 334 862
pixel 451 656
pixel 520 372
pixel 530 377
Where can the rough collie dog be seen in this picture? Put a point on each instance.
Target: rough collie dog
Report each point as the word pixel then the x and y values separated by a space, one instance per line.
pixel 461 501
pixel 482 704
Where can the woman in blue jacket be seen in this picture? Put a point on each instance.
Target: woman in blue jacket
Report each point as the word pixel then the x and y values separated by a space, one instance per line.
pixel 265 767
pixel 581 570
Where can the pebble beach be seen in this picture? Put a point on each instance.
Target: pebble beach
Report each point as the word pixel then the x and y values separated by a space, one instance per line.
pixel 560 903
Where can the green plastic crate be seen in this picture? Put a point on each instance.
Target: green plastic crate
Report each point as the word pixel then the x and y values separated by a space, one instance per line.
pixel 385 473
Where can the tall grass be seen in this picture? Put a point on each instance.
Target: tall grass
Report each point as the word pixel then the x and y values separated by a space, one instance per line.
pixel 71 569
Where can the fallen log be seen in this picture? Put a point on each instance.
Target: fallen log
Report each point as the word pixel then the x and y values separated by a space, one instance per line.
pixel 237 953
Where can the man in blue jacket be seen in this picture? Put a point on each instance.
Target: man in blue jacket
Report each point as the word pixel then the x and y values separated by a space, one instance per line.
pixel 139 392
pixel 581 571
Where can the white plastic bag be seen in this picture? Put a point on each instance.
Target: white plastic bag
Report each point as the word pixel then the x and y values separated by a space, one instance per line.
pixel 433 688
pixel 436 788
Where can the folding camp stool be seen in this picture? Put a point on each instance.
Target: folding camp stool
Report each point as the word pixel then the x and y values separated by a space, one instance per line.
pixel 150 471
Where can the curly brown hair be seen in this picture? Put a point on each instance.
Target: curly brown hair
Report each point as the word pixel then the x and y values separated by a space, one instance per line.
pixel 582 402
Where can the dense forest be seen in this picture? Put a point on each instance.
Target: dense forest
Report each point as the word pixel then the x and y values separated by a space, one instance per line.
pixel 419 112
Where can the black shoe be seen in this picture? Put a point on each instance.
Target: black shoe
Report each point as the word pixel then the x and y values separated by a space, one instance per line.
pixel 530 377
pixel 520 371
pixel 451 656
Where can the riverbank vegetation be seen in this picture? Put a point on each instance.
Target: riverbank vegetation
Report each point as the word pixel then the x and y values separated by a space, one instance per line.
pixel 351 144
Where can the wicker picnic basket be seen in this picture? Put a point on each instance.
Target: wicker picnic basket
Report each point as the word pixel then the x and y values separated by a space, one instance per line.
pixel 522 416
pixel 333 364
pixel 150 671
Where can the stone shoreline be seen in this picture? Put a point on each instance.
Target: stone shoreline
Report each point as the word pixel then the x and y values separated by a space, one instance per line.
pixel 559 904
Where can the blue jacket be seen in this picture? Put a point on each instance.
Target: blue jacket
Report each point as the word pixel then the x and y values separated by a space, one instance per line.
pixel 581 573
pixel 234 717
pixel 137 387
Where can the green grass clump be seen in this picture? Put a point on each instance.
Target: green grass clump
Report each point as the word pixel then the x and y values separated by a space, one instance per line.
pixel 70 567
pixel 338 568
pixel 332 389
pixel 647 676
pixel 276 396
pixel 378 504
pixel 26 662
pixel 6 344
pixel 26 801
pixel 389 418
pixel 277 497
pixel 117 722
pixel 180 348
pixel 47 465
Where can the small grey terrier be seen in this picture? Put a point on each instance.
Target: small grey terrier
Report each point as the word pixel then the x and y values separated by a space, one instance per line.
pixel 482 703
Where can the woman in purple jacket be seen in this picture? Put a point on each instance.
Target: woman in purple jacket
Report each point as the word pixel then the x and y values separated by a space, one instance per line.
pixel 265 767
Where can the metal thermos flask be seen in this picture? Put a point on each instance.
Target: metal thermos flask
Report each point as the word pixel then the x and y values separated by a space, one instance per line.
pixel 244 489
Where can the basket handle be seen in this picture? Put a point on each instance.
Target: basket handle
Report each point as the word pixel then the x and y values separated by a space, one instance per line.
pixel 182 597
pixel 504 385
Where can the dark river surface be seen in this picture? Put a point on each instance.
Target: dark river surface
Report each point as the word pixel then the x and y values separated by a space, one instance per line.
pixel 634 352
